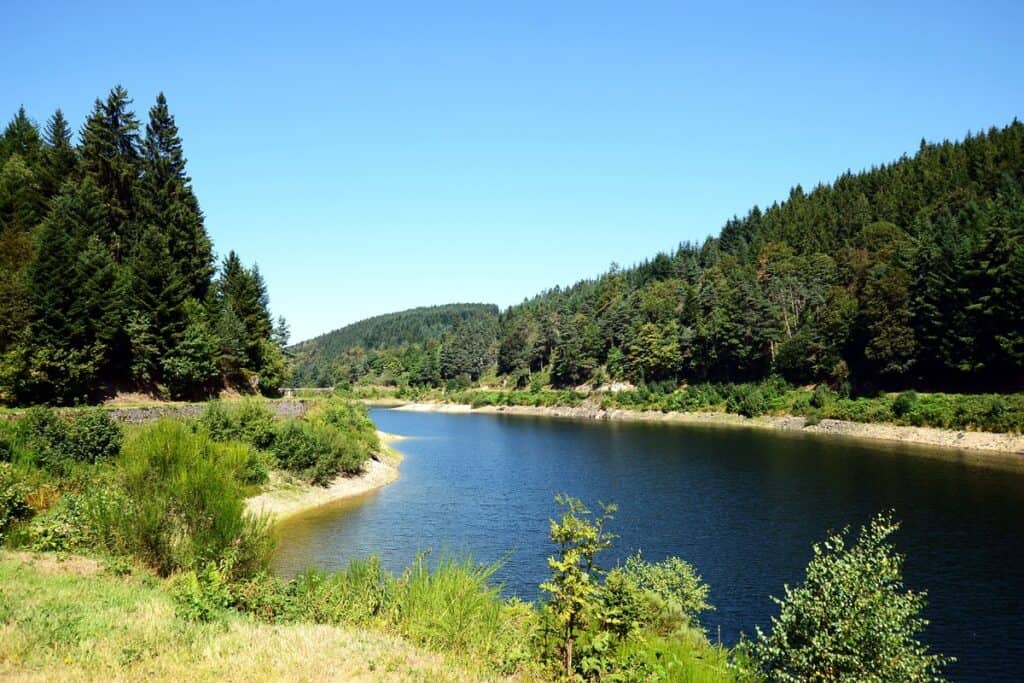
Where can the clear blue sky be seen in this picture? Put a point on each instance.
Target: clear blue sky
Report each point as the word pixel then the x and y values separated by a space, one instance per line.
pixel 372 157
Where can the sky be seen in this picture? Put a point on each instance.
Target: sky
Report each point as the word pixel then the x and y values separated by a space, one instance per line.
pixel 373 157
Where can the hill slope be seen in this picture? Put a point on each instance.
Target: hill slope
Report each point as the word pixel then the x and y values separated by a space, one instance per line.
pixel 317 360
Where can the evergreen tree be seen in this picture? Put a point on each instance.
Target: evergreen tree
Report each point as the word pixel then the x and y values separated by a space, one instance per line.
pixel 166 201
pixel 59 158
pixel 110 158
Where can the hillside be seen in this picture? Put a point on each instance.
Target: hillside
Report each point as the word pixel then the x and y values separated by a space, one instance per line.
pixel 910 274
pixel 352 352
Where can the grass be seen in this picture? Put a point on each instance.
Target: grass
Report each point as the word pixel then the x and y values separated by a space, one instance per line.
pixel 77 620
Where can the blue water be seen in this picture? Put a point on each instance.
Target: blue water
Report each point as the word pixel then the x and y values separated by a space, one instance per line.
pixel 743 506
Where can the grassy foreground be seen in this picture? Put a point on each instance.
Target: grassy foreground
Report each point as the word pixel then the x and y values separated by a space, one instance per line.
pixel 72 618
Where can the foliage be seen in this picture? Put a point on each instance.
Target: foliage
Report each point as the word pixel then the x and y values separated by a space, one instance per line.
pixel 674 593
pixel 318 451
pixel 249 420
pixel 186 505
pixel 397 348
pixel 93 436
pixel 13 492
pixel 907 275
pixel 201 595
pixel 851 619
pixel 107 279
pixel 574 575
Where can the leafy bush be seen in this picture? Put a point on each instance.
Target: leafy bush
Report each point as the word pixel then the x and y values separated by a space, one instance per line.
pixel 851 620
pixel 201 596
pixel 92 436
pixel 12 497
pixel 248 420
pixel 821 396
pixel 674 592
pixel 83 520
pixel 904 403
pixel 187 506
pixel 41 439
pixel 746 400
pixel 356 595
pixel 316 451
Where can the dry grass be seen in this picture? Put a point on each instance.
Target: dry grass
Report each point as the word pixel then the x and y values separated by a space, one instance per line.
pixel 85 625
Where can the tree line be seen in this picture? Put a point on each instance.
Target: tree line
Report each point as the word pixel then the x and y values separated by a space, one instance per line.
pixel 907 275
pixel 108 279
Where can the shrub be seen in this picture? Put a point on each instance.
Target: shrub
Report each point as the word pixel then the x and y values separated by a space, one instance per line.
pixel 851 620
pixel 201 596
pixel 187 506
pixel 674 592
pixel 348 418
pixel 812 417
pixel 248 420
pixel 93 436
pixel 317 451
pixel 904 404
pixel 746 400
pixel 41 438
pixel 13 492
pixel 356 595
pixel 821 396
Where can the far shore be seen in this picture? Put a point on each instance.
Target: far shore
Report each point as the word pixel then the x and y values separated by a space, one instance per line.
pixel 925 436
pixel 284 497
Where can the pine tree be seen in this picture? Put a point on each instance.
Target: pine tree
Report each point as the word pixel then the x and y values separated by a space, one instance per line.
pixel 168 203
pixel 110 157
pixel 60 158
pixel 21 137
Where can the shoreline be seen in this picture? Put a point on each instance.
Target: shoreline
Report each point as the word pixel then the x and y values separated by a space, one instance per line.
pixel 975 442
pixel 284 497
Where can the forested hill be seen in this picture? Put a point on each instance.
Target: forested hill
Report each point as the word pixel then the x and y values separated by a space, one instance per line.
pixel 107 273
pixel 910 274
pixel 365 347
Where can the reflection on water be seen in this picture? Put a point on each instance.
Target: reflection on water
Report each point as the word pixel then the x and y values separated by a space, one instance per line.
pixel 744 506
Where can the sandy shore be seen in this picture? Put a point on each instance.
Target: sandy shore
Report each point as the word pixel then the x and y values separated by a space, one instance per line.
pixel 926 436
pixel 283 497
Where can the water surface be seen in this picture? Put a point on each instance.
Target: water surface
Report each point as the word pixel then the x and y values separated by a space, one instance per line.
pixel 742 505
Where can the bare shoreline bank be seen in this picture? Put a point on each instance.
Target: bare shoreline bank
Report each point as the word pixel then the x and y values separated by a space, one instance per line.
pixel 975 442
pixel 284 498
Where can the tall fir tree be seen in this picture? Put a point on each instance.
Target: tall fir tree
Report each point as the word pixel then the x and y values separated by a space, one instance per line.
pixel 167 202
pixel 110 157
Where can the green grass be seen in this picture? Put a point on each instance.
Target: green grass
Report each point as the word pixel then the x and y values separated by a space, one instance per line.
pixel 76 619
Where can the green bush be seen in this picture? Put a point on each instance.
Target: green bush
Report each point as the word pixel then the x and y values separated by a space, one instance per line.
pixel 13 492
pixel 851 619
pixel 92 436
pixel 746 400
pixel 674 592
pixel 201 596
pixel 904 404
pixel 186 503
pixel 317 451
pixel 249 420
pixel 41 439
pixel 356 595
pixel 821 396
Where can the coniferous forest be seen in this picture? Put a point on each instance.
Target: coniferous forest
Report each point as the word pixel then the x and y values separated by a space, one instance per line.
pixel 108 280
pixel 907 275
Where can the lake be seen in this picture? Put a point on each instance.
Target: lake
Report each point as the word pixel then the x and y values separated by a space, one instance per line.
pixel 742 505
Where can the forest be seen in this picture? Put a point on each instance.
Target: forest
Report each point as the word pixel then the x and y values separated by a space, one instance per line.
pixel 108 280
pixel 909 275
pixel 400 346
